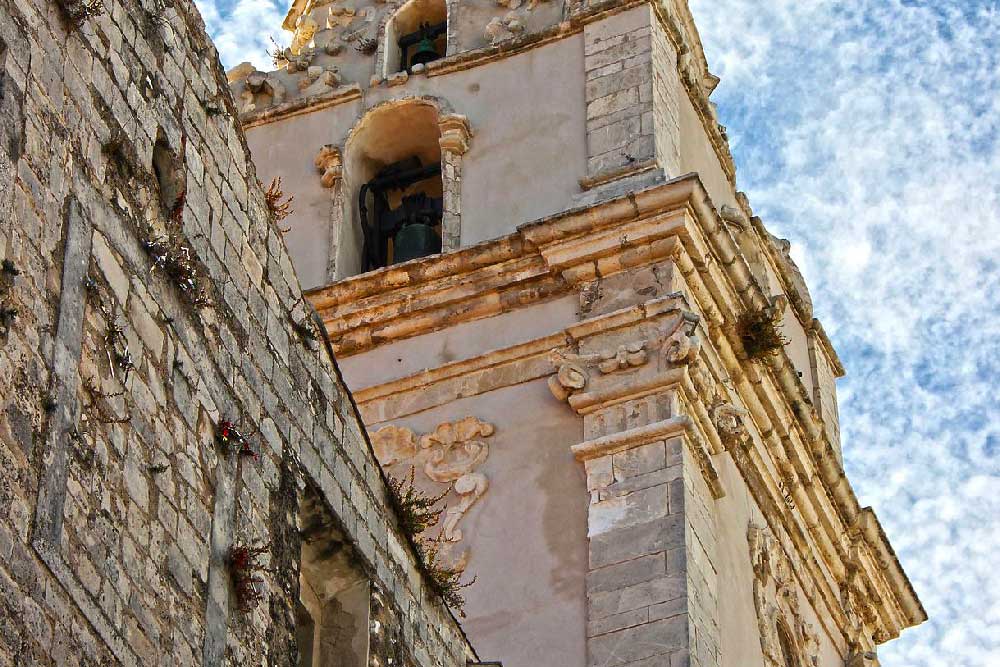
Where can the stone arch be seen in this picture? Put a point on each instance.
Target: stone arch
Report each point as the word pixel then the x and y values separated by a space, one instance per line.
pixel 411 133
pixel 408 18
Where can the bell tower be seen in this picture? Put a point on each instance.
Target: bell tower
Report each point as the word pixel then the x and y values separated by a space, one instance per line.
pixel 520 225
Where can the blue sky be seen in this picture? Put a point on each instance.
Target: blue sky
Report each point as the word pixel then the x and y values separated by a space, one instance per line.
pixel 867 133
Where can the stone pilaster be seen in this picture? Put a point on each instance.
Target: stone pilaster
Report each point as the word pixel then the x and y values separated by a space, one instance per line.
pixel 632 96
pixel 455 135
pixel 329 163
pixel 651 583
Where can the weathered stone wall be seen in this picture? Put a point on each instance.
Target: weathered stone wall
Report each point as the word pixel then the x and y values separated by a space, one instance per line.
pixel 118 361
pixel 618 61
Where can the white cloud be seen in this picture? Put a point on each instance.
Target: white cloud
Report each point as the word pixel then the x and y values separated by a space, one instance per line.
pixel 876 148
pixel 243 30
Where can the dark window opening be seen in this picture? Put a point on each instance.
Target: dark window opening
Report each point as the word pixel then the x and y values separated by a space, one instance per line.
pixel 404 221
pixel 416 35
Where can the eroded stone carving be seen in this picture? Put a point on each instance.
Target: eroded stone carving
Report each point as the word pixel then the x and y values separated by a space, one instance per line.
pixel 777 604
pixel 456 450
pixel 304 33
pixel 680 345
pixel 683 345
pixel 500 30
pixel 449 455
pixel 258 87
pixel 393 444
pixel 728 420
pixel 329 163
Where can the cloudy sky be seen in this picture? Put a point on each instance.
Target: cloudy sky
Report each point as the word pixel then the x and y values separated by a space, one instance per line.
pixel 867 133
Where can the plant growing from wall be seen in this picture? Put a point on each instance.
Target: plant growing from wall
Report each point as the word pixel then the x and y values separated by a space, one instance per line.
pixel 414 509
pixel 277 209
pixel 116 346
pixel 229 436
pixel 416 513
pixel 244 566
pixel 174 258
pixel 445 579
pixel 759 331
pixel 78 11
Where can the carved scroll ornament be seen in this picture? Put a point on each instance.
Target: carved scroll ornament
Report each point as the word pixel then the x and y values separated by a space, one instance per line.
pixel 779 619
pixel 449 455
pixel 678 346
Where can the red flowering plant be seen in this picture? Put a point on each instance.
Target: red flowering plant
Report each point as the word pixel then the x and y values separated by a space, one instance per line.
pixel 230 437
pixel 244 565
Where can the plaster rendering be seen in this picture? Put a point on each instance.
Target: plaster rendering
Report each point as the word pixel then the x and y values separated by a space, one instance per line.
pixel 595 287
pixel 518 274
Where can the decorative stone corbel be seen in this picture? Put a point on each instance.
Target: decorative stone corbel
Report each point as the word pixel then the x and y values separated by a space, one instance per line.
pixel 683 345
pixel 329 163
pixel 570 377
pixel 733 216
pixel 259 83
pixel 329 76
pixel 455 133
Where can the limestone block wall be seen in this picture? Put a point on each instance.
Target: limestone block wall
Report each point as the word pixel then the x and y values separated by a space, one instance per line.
pixel 619 95
pixel 145 296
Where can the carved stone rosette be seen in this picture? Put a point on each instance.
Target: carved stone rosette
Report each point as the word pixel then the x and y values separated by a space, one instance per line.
pixel 785 636
pixel 450 455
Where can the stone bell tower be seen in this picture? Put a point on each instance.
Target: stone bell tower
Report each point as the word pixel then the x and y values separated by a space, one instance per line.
pixel 520 224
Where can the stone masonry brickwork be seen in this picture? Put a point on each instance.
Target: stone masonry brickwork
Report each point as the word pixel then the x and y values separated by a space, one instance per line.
pixel 117 504
pixel 619 93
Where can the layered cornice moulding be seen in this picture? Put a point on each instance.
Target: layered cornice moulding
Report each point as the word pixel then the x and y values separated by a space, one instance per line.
pixel 563 254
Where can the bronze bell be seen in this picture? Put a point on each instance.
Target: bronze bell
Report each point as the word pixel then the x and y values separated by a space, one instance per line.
pixel 425 52
pixel 413 241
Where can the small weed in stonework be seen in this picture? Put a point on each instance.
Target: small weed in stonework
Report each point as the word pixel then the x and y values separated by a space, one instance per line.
pixel 116 345
pixel 445 580
pixel 175 260
pixel 366 45
pixel 96 398
pixel 416 513
pixel 760 334
pixel 229 436
pixel 414 509
pixel 243 565
pixel 78 11
pixel 277 209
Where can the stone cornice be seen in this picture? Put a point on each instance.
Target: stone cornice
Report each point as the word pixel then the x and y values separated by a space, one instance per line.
pixel 791 456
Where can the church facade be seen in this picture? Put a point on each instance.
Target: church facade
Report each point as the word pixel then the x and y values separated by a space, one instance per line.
pixel 503 267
